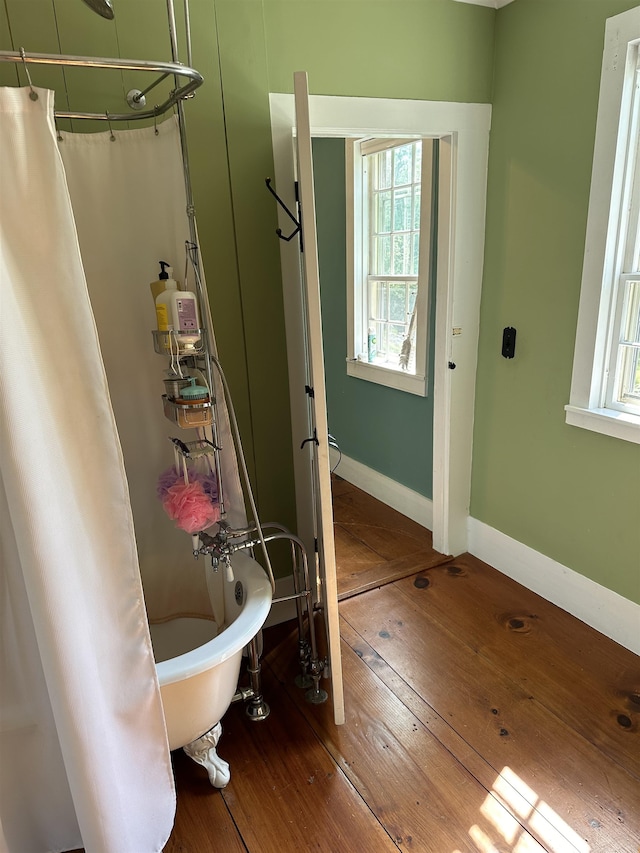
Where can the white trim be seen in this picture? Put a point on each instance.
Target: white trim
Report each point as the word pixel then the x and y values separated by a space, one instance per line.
pixel 443 422
pixel 356 212
pixel 601 608
pixel 399 379
pixel 494 4
pixel 388 491
pixel 586 401
pixel 464 133
pixel 358 198
pixel 606 421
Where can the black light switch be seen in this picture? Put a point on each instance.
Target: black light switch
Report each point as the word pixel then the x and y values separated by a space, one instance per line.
pixel 509 342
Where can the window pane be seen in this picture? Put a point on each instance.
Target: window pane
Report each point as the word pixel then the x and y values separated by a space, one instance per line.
pixel 631 324
pixel 630 376
pixel 636 247
pixel 393 207
pixel 378 300
pixel 384 169
pixel 381 334
pixel 382 256
pixel 413 293
pixel 401 254
pixel 402 213
pixel 402 163
pixel 396 336
pixel 383 211
pixel 415 254
pixel 382 312
pixel 417 172
pixel 398 302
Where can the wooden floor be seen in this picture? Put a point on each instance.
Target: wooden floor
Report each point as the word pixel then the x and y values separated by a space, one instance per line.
pixel 375 544
pixel 479 718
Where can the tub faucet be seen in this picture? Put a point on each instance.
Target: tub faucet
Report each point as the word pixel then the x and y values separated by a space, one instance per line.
pixel 217 547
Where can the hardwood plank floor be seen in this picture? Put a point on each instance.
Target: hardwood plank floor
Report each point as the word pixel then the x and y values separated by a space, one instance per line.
pixel 507 725
pixel 480 719
pixel 374 543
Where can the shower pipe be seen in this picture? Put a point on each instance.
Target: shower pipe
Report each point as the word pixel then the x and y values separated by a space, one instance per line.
pixel 194 79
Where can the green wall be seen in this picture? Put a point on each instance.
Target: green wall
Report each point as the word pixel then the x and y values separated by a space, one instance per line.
pixel 564 491
pixel 425 49
pixel 245 49
pixel 387 430
pixel 567 492
pixel 230 155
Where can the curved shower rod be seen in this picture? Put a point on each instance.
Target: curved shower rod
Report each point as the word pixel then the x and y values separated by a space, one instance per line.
pixel 194 79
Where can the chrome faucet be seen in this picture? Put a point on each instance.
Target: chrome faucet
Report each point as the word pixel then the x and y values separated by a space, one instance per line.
pixel 217 547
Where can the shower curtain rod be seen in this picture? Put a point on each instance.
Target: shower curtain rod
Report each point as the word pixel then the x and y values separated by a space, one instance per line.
pixel 194 79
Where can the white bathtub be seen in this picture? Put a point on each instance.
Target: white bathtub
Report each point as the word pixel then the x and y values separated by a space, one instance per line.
pixel 198 667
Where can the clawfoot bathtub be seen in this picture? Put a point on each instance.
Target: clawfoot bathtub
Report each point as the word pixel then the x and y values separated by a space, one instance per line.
pixel 198 664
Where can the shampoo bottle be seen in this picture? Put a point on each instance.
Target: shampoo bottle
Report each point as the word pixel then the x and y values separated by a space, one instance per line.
pixel 177 312
pixel 157 287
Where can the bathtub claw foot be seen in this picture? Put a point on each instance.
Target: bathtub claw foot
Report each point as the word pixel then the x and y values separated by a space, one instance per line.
pixel 203 751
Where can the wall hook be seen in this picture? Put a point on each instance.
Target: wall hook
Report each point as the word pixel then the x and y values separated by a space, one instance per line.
pixel 287 211
pixel 314 439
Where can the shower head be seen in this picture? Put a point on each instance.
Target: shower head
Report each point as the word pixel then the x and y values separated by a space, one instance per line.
pixel 102 7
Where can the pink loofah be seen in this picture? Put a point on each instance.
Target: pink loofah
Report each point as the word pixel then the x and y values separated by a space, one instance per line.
pixel 190 507
pixel 167 479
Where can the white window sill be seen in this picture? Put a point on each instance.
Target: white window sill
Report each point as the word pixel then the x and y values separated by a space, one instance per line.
pixel 398 379
pixel 606 421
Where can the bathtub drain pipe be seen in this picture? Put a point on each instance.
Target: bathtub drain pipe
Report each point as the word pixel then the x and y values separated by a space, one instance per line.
pixel 257 709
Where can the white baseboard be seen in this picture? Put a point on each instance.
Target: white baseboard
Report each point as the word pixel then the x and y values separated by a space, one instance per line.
pixel 399 497
pixel 601 608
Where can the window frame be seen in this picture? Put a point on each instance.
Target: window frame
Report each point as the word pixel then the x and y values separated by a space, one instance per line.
pixel 357 212
pixel 590 404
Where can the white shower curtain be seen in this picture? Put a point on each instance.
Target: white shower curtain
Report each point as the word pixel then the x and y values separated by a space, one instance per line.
pixel 83 750
pixel 128 196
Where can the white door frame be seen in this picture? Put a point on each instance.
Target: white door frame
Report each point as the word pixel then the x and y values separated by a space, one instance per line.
pixel 464 133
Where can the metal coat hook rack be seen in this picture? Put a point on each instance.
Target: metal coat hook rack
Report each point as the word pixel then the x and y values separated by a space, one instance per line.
pixel 296 222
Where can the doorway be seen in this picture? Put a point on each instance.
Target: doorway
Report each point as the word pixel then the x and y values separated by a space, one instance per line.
pixel 382 435
pixel 376 283
pixel 463 131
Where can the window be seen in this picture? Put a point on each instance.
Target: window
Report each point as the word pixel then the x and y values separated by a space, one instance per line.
pixel 389 221
pixel 605 388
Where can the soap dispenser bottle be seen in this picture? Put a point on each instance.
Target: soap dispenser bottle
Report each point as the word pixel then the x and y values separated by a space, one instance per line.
pixel 177 312
pixel 157 287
